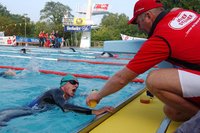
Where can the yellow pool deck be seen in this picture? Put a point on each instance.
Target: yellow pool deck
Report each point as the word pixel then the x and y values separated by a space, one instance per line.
pixel 135 117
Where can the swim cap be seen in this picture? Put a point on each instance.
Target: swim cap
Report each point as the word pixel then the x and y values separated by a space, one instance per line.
pixel 66 79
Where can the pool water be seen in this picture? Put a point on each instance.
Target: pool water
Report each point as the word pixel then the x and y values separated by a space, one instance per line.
pixel 28 84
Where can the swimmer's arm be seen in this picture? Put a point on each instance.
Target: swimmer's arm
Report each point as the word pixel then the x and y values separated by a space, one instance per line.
pixel 87 111
pixel 60 102
pixel 2 74
pixel 77 109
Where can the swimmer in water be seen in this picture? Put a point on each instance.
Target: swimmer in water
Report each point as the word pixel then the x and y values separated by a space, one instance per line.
pixel 24 50
pixel 8 73
pixel 58 97
pixel 73 49
pixel 106 54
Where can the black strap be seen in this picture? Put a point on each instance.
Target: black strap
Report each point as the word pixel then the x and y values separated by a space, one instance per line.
pixel 185 64
pixel 157 20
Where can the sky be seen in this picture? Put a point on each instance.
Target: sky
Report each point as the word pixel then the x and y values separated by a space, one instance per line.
pixel 33 7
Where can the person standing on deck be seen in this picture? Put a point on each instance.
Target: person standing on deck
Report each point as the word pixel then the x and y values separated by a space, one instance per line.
pixel 172 36
pixel 41 38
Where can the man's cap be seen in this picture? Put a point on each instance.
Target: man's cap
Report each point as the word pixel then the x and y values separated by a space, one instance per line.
pixel 65 79
pixel 142 6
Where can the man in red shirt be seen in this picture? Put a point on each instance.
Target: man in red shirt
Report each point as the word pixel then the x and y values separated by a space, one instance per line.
pixel 172 36
pixel 41 38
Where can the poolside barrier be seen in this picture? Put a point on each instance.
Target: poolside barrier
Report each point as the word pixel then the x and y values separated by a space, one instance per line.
pixel 123 46
pixel 136 80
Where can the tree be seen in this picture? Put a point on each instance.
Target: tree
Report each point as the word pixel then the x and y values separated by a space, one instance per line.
pixel 112 25
pixel 54 12
pixel 13 24
pixel 4 11
pixel 186 4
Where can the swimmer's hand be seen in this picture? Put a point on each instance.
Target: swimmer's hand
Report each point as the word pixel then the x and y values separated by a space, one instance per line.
pixel 103 110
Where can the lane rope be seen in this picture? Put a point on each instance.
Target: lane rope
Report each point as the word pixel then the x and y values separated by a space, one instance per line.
pixel 136 80
pixel 92 62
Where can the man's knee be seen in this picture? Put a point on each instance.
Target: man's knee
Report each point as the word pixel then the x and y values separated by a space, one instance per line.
pixel 175 115
pixel 169 112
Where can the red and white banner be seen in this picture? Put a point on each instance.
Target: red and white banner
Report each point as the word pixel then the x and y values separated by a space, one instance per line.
pixel 125 37
pixel 8 40
pixel 101 7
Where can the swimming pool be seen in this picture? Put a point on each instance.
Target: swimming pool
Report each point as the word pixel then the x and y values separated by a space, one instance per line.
pixel 29 83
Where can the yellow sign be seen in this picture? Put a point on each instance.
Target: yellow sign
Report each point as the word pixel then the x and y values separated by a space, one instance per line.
pixel 79 21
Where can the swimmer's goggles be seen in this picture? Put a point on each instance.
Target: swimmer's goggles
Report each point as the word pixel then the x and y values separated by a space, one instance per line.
pixel 73 82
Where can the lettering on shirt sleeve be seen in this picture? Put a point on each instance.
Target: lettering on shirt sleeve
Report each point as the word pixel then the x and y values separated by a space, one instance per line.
pixel 182 20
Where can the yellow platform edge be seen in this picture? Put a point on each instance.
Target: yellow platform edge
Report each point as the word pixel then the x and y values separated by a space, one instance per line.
pixel 136 119
pixel 103 117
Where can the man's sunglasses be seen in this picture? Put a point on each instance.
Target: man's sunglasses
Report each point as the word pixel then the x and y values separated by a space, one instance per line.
pixel 73 82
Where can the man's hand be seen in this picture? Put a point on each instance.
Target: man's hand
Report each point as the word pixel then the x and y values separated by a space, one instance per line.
pixel 94 96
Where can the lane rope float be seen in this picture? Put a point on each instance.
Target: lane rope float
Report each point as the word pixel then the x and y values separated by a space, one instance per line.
pixel 136 80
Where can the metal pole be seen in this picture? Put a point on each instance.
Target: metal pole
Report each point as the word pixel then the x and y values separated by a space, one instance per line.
pixel 25 27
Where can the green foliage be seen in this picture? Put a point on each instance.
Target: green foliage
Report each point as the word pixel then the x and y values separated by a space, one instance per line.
pixel 54 12
pixel 186 4
pixel 112 25
pixel 13 24
pixel 4 11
